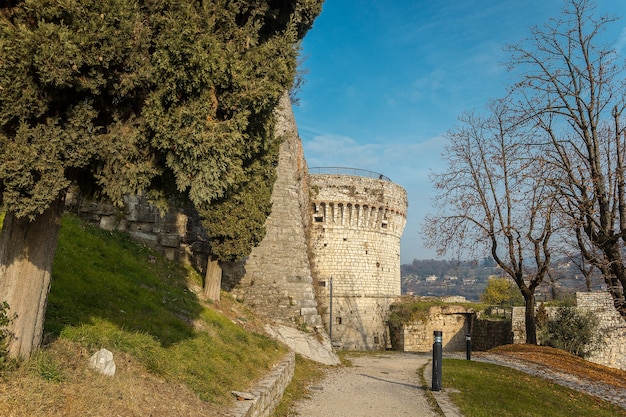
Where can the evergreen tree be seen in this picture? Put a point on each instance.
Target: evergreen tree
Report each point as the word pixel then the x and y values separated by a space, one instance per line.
pixel 126 96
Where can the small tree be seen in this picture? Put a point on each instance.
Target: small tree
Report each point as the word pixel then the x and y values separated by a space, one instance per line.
pixel 501 290
pixel 573 330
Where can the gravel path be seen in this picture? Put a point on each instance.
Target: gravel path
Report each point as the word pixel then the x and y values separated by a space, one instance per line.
pixel 382 385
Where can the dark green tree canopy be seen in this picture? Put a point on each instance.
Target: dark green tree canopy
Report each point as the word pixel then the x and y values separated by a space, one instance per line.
pixel 155 97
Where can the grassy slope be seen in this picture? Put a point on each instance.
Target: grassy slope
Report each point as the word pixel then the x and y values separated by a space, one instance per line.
pixel 177 354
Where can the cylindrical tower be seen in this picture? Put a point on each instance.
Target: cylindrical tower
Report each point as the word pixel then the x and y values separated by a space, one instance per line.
pixel 357 221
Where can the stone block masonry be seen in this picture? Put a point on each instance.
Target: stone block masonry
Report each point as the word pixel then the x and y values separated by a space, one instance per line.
pixel 277 281
pixel 356 225
pixel 268 392
pixel 454 322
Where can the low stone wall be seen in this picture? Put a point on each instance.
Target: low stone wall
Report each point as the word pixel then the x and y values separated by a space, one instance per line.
pixel 453 321
pixel 488 334
pixel 268 392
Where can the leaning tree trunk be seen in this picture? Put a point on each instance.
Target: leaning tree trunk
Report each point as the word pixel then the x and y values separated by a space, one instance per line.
pixel 26 254
pixel 213 280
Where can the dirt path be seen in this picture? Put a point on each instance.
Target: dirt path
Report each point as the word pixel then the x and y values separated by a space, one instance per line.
pixel 380 385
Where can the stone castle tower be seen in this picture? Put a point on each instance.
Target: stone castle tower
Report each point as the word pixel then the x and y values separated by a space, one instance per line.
pixel 357 221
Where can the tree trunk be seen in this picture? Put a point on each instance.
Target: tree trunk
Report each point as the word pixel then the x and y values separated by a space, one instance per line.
pixel 26 254
pixel 531 325
pixel 213 280
pixel 617 279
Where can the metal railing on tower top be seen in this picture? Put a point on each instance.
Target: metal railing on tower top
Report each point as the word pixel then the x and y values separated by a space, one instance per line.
pixel 347 171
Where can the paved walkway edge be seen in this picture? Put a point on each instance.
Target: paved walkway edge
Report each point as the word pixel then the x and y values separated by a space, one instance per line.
pixel 446 405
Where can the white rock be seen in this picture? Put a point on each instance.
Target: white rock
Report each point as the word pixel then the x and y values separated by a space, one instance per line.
pixel 102 361
pixel 305 344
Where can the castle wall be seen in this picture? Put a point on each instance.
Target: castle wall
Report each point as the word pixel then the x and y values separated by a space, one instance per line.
pixel 349 225
pixel 356 226
pixel 454 322
pixel 277 280
pixel 177 234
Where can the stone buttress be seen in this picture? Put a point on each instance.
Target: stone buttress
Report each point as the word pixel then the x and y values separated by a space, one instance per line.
pixel 277 281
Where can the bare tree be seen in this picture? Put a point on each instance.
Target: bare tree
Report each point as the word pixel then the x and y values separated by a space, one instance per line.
pixel 491 199
pixel 572 94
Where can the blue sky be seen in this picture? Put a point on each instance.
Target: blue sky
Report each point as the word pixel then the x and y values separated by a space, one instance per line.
pixel 386 79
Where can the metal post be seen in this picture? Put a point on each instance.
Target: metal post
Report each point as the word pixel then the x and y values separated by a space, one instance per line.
pixel 330 321
pixel 437 361
pixel 468 347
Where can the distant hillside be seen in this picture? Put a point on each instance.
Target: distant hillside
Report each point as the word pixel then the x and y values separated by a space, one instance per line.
pixel 430 277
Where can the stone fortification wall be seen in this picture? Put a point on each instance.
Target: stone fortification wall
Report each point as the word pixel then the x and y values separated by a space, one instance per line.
pixel 356 226
pixel 488 334
pixel 177 233
pixel 613 354
pixel 454 322
pixel 611 324
pixel 277 279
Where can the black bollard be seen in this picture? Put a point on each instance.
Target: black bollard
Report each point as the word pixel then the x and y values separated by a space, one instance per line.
pixel 468 347
pixel 437 361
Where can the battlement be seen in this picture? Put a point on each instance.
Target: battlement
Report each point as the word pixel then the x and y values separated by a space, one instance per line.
pixel 350 200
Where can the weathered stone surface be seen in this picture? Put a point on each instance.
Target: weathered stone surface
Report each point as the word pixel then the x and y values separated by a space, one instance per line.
pixel 262 400
pixel 453 321
pixel 277 279
pixel 243 396
pixel 314 347
pixel 102 361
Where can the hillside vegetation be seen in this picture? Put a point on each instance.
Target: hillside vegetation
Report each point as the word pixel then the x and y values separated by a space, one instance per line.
pixel 175 354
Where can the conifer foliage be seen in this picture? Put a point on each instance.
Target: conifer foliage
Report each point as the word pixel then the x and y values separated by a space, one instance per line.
pixel 142 96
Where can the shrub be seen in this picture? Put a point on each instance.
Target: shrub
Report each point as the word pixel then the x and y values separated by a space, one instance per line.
pixel 573 330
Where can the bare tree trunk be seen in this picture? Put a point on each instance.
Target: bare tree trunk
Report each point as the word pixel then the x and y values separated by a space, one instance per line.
pixel 213 280
pixel 531 325
pixel 26 253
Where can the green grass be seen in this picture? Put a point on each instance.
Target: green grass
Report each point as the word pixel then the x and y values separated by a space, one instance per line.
pixel 108 291
pixel 487 390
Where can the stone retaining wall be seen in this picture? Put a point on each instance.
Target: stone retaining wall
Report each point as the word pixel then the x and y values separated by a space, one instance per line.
pixel 453 321
pixel 488 334
pixel 269 391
